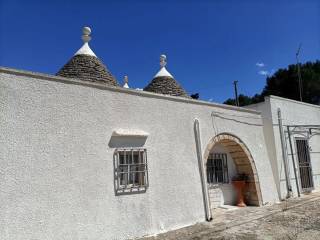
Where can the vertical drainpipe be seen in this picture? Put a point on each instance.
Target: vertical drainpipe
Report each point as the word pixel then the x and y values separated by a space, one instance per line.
pixel 202 172
pixel 284 154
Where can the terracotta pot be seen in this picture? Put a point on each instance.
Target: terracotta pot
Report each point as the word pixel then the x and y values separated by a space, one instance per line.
pixel 239 186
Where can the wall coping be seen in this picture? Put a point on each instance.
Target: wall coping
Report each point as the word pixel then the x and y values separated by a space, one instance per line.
pixel 48 77
pixel 293 101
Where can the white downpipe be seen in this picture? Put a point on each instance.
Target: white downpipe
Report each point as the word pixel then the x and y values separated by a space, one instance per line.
pixel 202 172
pixel 284 154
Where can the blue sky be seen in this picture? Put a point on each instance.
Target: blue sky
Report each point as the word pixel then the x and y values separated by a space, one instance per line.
pixel 208 44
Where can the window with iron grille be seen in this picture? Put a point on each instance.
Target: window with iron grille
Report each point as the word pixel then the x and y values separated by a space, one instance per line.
pixel 131 170
pixel 217 168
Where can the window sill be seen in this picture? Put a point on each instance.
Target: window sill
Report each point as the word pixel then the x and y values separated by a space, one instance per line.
pixel 131 190
pixel 217 185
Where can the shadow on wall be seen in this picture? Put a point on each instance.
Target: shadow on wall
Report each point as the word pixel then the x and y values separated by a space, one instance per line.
pixel 243 161
pixel 123 170
pixel 224 191
pixel 229 194
pixel 224 194
pixel 127 141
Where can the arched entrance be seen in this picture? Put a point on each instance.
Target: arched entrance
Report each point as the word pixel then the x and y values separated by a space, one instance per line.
pixel 243 162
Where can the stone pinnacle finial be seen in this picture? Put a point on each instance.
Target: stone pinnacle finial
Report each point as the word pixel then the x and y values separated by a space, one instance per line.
pixel 85 49
pixel 126 80
pixel 86 31
pixel 163 60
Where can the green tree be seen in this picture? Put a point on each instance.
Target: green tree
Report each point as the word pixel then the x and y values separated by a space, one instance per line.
pixel 284 83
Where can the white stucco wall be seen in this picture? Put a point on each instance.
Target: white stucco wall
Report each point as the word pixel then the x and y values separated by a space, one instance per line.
pixel 314 144
pixel 56 158
pixel 293 113
pixel 269 134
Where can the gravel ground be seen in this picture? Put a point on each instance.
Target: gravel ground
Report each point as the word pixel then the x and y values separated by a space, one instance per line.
pixel 302 222
pixel 296 219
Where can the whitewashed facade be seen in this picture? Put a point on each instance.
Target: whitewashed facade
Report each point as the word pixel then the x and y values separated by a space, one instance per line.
pixel 83 158
pixel 303 121
pixel 57 150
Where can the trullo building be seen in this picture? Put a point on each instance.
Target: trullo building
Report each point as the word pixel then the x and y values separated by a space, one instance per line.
pixel 82 157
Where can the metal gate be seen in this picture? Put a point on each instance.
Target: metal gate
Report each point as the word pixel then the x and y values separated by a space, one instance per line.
pixel 305 169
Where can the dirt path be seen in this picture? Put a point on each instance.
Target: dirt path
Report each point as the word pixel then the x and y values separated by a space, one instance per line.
pixel 294 219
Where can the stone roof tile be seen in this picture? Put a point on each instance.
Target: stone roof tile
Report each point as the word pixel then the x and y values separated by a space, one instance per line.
pixel 166 85
pixel 87 68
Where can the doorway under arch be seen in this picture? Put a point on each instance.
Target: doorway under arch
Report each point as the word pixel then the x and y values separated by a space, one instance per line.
pixel 243 162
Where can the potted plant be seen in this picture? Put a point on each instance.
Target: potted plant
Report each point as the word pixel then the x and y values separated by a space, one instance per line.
pixel 239 182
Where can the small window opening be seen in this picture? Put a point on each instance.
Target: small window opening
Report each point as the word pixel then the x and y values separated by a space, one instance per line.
pixel 131 170
pixel 217 168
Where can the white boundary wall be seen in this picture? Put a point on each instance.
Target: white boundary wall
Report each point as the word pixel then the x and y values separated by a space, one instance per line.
pixel 56 158
pixel 293 113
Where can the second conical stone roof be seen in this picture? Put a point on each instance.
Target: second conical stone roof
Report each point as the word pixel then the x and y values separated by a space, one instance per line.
pixel 164 83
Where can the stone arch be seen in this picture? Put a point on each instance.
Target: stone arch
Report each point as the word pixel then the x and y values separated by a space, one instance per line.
pixel 243 161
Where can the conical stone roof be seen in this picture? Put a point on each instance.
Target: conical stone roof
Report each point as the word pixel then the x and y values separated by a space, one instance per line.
pixel 164 83
pixel 86 66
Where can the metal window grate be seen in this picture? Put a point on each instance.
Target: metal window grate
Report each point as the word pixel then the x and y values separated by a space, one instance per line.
pixel 305 169
pixel 217 168
pixel 131 170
